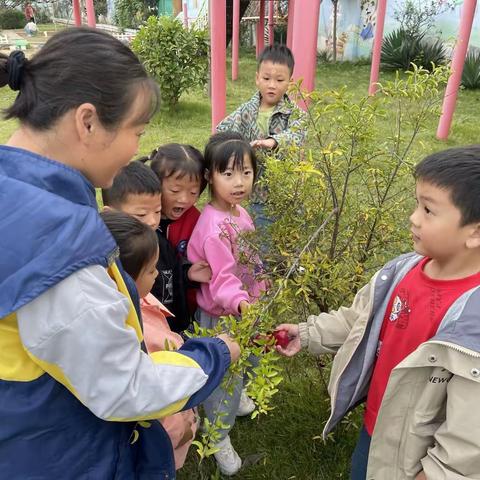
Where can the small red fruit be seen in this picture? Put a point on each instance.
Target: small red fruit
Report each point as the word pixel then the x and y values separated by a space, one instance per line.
pixel 281 338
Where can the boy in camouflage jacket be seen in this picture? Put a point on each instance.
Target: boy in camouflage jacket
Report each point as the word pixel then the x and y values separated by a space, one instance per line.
pixel 269 119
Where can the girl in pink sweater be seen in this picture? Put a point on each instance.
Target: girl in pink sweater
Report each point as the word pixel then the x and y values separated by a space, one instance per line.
pixel 139 255
pixel 231 168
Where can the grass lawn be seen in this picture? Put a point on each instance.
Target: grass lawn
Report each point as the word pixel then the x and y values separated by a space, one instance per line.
pixel 286 444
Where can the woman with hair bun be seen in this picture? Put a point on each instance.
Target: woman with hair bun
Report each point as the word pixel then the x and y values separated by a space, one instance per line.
pixel 75 378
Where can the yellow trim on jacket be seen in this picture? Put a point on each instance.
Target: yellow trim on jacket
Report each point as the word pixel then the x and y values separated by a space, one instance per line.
pixel 132 318
pixel 18 364
pixel 15 363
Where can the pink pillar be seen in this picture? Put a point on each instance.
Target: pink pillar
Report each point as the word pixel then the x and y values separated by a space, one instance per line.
pixel 304 44
pixel 76 13
pixel 261 29
pixel 377 46
pixel 291 9
pixel 90 13
pixel 459 54
pixel 185 15
pixel 235 38
pixel 218 39
pixel 271 22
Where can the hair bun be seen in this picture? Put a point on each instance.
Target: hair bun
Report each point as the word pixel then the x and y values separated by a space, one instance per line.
pixel 15 66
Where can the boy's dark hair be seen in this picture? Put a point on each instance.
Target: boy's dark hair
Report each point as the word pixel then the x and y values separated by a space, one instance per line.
pixel 134 179
pixel 458 171
pixel 280 54
pixel 75 66
pixel 179 160
pixel 222 146
pixel 137 242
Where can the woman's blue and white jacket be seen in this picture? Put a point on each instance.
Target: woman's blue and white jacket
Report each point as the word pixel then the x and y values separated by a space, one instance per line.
pixel 74 381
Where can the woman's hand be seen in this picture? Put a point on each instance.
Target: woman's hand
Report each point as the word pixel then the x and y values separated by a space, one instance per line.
pixel 293 346
pixel 233 347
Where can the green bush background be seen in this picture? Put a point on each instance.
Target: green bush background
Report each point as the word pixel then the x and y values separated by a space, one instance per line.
pixel 11 19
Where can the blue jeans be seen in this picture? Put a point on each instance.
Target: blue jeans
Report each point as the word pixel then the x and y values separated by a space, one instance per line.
pixel 261 221
pixel 360 456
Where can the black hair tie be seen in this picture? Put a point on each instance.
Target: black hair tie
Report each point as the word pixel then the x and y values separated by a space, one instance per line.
pixel 154 152
pixel 15 66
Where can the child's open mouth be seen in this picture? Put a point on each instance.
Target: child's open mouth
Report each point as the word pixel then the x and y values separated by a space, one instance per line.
pixel 177 211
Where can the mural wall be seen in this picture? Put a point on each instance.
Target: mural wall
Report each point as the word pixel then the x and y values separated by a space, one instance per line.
pixel 356 26
pixel 356 21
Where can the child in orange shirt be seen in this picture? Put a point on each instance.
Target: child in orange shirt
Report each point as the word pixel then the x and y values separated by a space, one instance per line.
pixel 139 255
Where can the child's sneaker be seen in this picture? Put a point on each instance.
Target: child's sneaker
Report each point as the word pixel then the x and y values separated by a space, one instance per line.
pixel 246 405
pixel 227 458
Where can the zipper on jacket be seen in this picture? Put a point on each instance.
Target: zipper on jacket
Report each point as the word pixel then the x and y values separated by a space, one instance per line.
pixel 335 387
pixel 113 255
pixel 456 347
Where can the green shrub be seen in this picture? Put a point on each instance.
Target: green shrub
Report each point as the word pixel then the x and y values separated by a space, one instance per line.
pixel 100 7
pixel 432 52
pixel 177 58
pixel 133 13
pixel 400 49
pixel 43 15
pixel 471 70
pixel 246 34
pixel 348 195
pixel 280 33
pixel 324 56
pixel 10 19
pixel 340 207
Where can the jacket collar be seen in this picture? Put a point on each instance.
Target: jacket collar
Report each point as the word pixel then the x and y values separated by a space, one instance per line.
pixel 283 106
pixel 46 174
pixel 461 324
pixel 50 226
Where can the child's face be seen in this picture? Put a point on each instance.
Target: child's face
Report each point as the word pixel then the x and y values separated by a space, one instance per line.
pixel 272 81
pixel 435 224
pixel 147 208
pixel 179 193
pixel 146 278
pixel 232 186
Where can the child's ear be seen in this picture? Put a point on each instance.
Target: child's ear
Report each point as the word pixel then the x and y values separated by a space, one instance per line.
pixel 106 208
pixel 473 240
